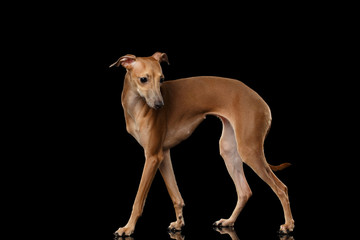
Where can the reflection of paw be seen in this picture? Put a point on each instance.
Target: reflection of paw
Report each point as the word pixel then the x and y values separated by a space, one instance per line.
pixel 224 230
pixel 125 231
pixel 286 237
pixel 122 238
pixel 223 223
pixel 227 230
pixel 176 235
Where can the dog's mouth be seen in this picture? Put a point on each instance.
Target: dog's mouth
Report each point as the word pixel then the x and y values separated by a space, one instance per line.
pixel 153 100
pixel 156 104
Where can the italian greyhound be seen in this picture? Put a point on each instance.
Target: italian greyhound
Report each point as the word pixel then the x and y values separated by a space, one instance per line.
pixel 159 115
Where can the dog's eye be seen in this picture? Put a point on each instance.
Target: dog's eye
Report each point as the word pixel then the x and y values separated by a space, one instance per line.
pixel 143 79
pixel 162 79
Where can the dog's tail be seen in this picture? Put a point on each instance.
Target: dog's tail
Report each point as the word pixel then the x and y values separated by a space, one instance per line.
pixel 279 167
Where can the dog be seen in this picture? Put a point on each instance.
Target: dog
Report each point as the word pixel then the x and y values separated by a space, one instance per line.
pixel 159 115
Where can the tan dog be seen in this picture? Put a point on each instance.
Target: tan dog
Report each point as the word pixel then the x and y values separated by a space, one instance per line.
pixel 161 115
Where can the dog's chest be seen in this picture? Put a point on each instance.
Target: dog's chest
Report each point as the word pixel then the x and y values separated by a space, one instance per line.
pixel 139 124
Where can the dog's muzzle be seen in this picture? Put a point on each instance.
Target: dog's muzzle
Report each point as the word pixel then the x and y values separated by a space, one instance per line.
pixel 158 104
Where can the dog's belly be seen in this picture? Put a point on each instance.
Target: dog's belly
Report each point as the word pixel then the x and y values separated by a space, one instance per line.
pixel 185 128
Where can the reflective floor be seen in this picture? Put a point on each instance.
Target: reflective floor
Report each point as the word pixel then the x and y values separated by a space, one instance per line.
pixel 216 233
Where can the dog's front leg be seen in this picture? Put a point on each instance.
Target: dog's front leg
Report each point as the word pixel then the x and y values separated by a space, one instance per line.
pixel 152 163
pixel 167 173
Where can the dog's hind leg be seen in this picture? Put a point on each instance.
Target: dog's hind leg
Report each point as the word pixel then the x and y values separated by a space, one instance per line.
pixel 234 165
pixel 168 175
pixel 250 146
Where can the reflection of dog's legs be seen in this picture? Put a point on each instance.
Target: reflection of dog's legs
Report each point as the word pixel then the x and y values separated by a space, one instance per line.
pixel 123 238
pixel 286 237
pixel 229 230
pixel 176 235
pixel 234 165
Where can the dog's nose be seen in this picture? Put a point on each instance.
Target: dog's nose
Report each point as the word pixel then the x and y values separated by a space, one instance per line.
pixel 159 105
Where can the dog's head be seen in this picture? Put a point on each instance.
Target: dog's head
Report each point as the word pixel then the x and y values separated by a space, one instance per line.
pixel 146 76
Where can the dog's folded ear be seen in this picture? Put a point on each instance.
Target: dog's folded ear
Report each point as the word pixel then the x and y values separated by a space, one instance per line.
pixel 126 61
pixel 161 57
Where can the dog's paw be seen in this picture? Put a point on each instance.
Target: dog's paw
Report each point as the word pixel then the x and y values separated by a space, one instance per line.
pixel 125 231
pixel 223 223
pixel 286 228
pixel 176 226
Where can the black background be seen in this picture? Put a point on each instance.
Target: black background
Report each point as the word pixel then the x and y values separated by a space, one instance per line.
pixel 87 167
